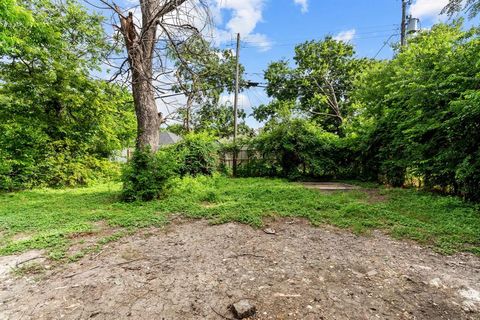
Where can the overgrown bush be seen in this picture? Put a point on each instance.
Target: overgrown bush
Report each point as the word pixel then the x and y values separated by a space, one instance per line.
pixel 57 170
pixel 423 108
pixel 58 125
pixel 199 154
pixel 297 148
pixel 258 167
pixel 146 176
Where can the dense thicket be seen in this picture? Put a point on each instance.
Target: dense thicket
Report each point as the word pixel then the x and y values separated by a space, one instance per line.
pixel 296 148
pixel 414 119
pixel 58 125
pixel 425 110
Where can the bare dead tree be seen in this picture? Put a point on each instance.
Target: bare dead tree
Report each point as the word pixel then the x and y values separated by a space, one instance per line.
pixel 472 7
pixel 146 31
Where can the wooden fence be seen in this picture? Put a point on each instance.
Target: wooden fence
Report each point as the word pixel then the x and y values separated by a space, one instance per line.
pixel 243 156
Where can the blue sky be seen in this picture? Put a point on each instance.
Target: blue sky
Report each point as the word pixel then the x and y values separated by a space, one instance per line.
pixel 271 28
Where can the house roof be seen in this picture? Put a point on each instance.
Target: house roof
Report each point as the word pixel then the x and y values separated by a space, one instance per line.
pixel 167 138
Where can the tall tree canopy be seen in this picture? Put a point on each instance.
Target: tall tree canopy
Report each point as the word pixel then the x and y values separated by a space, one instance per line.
pixel 203 74
pixel 424 110
pixel 12 17
pixel 57 123
pixel 319 85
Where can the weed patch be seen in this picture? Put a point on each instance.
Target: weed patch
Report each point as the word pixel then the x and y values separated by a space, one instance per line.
pixel 54 219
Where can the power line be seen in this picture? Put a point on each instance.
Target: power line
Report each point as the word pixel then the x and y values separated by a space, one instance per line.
pixel 381 28
pixel 257 44
pixel 384 45
pixel 356 34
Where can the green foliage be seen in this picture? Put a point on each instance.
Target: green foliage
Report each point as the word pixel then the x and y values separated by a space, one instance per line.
pixel 146 176
pixel 319 86
pixel 59 126
pixel 56 219
pixel 12 17
pixel 299 148
pixel 424 107
pixel 63 170
pixel 203 74
pixel 198 154
pixel 217 119
pixel 410 120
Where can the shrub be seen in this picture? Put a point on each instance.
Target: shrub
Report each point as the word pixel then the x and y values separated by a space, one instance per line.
pixel 63 170
pixel 199 154
pixel 57 170
pixel 298 148
pixel 146 176
pixel 258 168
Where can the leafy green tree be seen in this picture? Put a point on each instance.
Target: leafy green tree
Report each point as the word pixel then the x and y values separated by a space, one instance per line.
pixel 204 74
pixel 12 17
pixel 319 85
pixel 59 126
pixel 423 104
pixel 217 119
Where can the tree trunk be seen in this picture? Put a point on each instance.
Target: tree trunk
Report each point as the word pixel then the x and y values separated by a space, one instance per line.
pixel 140 44
pixel 148 118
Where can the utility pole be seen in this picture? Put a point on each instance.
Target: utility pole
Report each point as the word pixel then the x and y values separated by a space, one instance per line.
pixel 235 105
pixel 403 36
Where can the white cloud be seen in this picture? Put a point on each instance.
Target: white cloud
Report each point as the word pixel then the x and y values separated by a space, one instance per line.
pixel 259 40
pixel 428 8
pixel 346 35
pixel 245 15
pixel 303 4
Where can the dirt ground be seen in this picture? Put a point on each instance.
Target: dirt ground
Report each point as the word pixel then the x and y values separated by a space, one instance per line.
pixel 329 186
pixel 192 270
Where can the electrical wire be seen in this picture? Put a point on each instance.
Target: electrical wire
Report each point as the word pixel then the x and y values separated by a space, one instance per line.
pixel 384 45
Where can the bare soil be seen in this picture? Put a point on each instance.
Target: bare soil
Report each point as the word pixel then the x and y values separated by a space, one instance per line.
pixel 192 270
pixel 329 186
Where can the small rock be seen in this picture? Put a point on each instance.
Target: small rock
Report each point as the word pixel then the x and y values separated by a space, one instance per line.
pixel 372 273
pixel 270 231
pixel 470 294
pixel 436 283
pixel 470 306
pixel 243 309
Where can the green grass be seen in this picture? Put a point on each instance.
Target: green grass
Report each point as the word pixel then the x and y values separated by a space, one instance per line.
pixel 52 219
